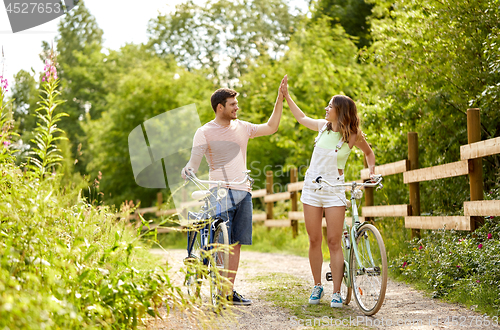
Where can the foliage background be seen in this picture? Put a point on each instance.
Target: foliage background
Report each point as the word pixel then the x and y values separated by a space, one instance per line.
pixel 411 66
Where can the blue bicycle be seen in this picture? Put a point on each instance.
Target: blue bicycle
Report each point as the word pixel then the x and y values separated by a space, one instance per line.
pixel 207 239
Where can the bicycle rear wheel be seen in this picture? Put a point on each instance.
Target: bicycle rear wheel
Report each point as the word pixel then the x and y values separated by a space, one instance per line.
pixel 369 275
pixel 345 287
pixel 220 263
pixel 194 263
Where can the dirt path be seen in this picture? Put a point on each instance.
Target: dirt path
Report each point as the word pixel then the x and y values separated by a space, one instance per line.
pixel 404 307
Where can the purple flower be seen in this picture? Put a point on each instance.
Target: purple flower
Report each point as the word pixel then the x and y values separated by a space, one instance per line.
pixel 480 246
pixel 490 236
pixel 478 281
pixel 458 266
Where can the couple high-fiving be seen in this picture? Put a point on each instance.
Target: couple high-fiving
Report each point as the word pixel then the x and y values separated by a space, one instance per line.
pixel 223 141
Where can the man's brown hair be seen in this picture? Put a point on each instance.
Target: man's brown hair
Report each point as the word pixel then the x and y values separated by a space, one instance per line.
pixel 220 96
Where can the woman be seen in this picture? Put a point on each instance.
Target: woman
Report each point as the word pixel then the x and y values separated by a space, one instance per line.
pixel 339 132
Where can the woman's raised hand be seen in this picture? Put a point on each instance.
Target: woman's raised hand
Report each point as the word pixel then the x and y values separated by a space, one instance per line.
pixel 284 86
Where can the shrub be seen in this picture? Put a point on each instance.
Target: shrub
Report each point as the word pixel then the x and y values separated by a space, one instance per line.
pixel 66 264
pixel 460 266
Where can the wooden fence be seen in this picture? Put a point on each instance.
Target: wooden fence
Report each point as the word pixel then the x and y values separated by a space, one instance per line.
pixel 470 164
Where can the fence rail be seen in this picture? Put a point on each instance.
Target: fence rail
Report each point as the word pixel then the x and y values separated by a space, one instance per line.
pixel 470 164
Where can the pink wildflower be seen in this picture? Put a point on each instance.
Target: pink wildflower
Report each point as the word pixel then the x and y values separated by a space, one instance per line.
pixel 50 69
pixel 3 84
pixel 420 247
pixel 480 246
pixel 478 281
pixel 458 266
pixel 490 236
pixel 6 143
pixel 404 264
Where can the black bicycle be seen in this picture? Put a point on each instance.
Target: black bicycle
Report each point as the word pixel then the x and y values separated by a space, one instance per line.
pixel 207 239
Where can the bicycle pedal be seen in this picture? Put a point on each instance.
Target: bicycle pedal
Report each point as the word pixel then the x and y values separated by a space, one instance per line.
pixel 329 276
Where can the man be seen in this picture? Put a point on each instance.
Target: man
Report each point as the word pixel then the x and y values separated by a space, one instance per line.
pixel 223 141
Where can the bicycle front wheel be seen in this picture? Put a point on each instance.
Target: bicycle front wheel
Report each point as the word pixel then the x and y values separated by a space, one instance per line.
pixel 369 272
pixel 220 263
pixel 194 264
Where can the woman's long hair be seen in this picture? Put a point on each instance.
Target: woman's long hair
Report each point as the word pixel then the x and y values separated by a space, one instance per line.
pixel 347 115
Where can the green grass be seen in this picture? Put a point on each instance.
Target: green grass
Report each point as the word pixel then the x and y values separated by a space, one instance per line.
pixel 291 293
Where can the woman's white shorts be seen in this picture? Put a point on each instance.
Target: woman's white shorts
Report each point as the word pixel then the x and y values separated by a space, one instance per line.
pixel 324 197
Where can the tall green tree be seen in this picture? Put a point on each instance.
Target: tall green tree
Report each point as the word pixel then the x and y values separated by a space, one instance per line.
pixel 25 96
pixel 353 15
pixel 222 36
pixel 82 72
pixel 144 86
pixel 436 58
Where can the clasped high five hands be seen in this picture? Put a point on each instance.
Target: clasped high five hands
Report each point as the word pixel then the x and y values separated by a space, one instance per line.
pixel 283 89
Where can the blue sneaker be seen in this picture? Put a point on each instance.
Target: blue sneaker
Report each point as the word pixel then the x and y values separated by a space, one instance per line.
pixel 316 294
pixel 336 300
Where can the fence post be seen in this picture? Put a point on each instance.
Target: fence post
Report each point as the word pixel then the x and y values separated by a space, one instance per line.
pixel 293 199
pixel 159 198
pixel 269 190
pixel 415 186
pixel 475 165
pixel 368 194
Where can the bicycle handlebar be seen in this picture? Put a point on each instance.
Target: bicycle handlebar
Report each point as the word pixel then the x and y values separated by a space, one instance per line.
pixel 354 184
pixel 191 176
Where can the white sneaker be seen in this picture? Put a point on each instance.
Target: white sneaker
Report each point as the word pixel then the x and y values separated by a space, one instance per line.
pixel 336 300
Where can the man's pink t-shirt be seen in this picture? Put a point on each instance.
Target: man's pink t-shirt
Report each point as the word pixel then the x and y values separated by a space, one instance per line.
pixel 225 148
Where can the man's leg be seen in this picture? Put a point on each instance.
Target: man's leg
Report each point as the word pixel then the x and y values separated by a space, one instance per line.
pixel 234 260
pixel 241 233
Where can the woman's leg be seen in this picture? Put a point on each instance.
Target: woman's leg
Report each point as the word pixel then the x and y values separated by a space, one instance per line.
pixel 312 217
pixel 335 224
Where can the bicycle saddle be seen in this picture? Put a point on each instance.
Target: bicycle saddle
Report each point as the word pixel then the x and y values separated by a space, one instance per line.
pixel 200 194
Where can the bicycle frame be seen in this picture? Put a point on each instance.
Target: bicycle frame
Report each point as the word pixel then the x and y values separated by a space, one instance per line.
pixel 207 224
pixel 355 224
pixel 207 230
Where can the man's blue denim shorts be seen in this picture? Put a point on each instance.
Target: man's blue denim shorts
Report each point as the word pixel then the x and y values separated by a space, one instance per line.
pixel 236 210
